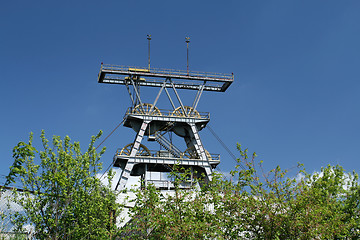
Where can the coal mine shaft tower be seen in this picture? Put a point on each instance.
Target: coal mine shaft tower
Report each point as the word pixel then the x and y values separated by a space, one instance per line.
pixel 148 121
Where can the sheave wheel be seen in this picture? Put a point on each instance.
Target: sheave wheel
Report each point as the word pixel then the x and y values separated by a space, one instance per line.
pixel 189 112
pixel 143 151
pixel 144 109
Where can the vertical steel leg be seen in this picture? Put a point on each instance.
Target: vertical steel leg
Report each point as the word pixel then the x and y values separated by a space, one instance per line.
pixel 130 164
pixel 196 141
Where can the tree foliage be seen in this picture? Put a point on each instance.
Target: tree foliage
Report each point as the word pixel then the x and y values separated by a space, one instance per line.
pixel 62 197
pixel 252 205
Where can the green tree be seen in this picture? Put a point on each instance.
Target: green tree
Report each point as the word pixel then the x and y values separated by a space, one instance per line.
pixel 254 204
pixel 64 200
pixel 273 206
pixel 62 197
pixel 179 214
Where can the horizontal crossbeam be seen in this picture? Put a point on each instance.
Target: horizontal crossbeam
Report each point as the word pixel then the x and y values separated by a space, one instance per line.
pixel 155 78
pixel 160 160
pixel 112 80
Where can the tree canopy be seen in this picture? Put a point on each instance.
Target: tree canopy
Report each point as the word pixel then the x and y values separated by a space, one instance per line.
pixel 253 205
pixel 62 198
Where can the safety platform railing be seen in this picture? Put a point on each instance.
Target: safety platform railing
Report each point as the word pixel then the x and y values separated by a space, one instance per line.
pixel 166 113
pixel 170 72
pixel 166 155
pixel 168 184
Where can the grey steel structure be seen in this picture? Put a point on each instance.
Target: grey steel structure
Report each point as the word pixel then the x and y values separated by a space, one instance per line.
pixel 149 121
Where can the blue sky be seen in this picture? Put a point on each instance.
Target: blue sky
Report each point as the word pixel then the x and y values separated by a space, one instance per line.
pixel 296 65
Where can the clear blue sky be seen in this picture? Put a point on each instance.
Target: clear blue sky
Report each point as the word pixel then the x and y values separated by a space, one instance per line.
pixel 296 64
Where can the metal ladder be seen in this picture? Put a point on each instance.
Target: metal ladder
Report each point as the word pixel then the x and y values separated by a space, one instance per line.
pixel 165 143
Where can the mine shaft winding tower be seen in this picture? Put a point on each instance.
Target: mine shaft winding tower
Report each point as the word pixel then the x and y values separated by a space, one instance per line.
pixel 148 121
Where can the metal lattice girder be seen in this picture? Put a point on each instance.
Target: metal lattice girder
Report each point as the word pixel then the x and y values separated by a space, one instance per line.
pixel 130 164
pixel 169 116
pixel 155 78
pixel 147 120
pixel 167 160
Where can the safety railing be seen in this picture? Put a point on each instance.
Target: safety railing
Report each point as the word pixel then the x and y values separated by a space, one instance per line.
pixel 166 155
pixel 166 113
pixel 170 72
pixel 168 184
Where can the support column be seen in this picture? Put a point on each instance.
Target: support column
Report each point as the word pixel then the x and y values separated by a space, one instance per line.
pixel 130 164
pixel 200 150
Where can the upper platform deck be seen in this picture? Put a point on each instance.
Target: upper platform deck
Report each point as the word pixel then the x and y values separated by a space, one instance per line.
pixel 155 77
pixel 155 158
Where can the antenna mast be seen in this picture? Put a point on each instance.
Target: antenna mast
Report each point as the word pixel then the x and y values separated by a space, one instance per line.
pixel 149 38
pixel 187 40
